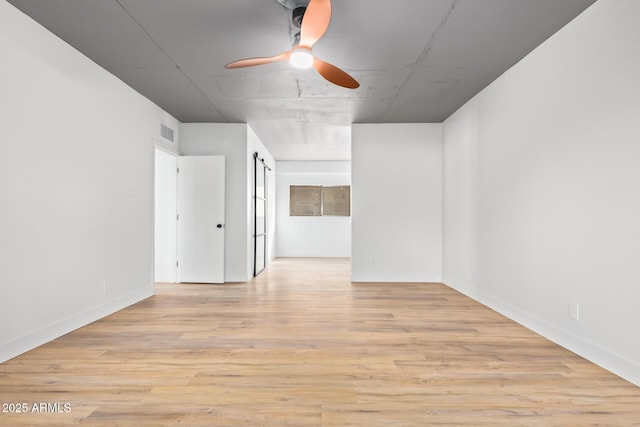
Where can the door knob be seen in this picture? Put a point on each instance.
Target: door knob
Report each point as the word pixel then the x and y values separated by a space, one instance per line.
pixel 219 225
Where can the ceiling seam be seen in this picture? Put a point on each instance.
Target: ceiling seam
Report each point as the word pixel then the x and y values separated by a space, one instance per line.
pixel 184 74
pixel 425 52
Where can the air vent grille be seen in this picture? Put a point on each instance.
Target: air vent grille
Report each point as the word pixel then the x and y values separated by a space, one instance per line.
pixel 166 132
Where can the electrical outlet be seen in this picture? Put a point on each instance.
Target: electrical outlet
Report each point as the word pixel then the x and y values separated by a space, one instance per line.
pixel 574 312
pixel 105 283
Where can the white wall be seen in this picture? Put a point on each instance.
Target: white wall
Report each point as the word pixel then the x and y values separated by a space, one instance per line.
pixel 397 202
pixel 76 188
pixel 541 191
pixel 238 143
pixel 461 215
pixel 299 236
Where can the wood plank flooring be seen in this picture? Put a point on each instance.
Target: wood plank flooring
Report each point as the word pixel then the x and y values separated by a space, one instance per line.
pixel 302 346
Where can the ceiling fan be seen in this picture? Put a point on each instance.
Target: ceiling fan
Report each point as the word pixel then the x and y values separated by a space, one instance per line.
pixel 313 22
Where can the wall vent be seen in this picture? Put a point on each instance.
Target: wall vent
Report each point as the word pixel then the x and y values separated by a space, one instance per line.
pixel 166 132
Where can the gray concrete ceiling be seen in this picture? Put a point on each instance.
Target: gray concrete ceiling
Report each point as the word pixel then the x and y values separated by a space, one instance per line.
pixel 416 60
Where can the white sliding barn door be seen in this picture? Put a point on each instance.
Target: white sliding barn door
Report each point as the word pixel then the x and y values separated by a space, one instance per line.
pixel 201 219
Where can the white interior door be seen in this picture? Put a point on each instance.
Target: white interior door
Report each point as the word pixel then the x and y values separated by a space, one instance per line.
pixel 201 219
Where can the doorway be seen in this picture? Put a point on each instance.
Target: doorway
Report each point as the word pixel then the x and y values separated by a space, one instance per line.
pixel 166 165
pixel 189 218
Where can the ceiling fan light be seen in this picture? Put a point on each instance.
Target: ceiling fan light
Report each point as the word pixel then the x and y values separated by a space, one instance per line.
pixel 301 58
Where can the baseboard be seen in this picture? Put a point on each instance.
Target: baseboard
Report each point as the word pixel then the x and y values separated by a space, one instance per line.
pixel 314 255
pixel 615 363
pixel 377 278
pixel 17 346
pixel 236 278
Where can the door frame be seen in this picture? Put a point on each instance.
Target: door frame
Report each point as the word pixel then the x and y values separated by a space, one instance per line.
pixel 174 195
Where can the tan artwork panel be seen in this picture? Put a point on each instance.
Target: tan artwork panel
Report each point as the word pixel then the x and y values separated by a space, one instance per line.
pixel 336 201
pixel 305 200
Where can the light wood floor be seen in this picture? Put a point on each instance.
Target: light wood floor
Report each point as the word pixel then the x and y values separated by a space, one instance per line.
pixel 302 346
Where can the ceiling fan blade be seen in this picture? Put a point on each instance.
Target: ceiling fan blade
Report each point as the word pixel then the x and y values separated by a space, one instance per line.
pixel 252 62
pixel 335 75
pixel 315 22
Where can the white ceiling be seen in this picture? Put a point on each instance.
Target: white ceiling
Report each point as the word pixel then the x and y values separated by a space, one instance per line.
pixel 416 60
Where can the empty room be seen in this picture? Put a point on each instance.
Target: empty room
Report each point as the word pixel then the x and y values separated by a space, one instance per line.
pixel 319 213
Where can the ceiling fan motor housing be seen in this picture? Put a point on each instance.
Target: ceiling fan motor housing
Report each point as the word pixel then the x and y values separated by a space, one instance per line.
pixel 296 16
